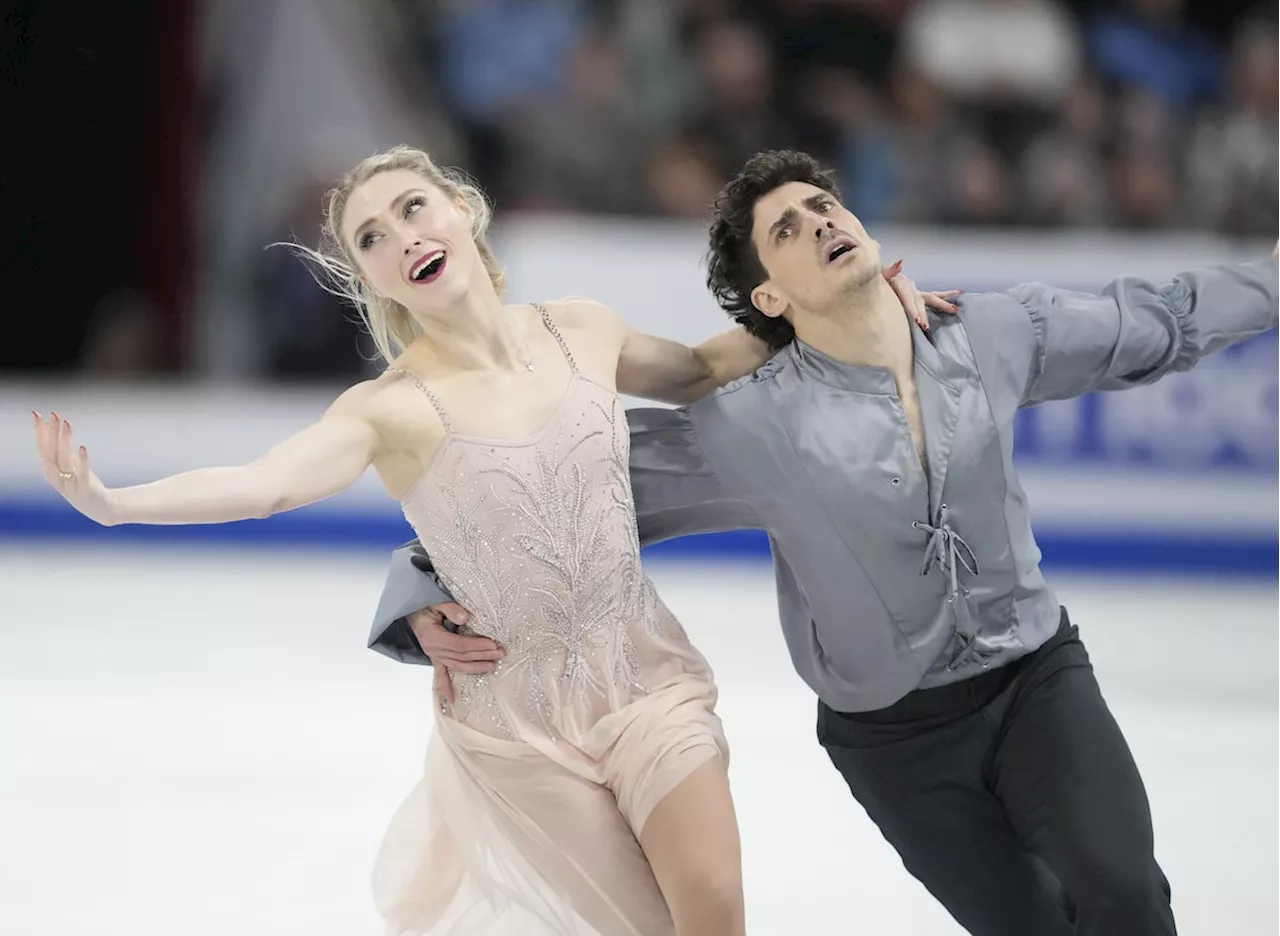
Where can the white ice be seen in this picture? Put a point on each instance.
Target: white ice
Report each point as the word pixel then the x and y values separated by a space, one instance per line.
pixel 197 742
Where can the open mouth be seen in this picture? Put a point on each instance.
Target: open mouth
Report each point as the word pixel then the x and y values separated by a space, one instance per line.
pixel 427 268
pixel 838 248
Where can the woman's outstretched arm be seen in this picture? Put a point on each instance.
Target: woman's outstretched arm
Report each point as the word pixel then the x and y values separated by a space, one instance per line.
pixel 325 458
pixel 670 372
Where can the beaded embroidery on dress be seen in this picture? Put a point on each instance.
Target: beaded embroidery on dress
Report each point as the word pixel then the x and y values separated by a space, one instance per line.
pixel 540 776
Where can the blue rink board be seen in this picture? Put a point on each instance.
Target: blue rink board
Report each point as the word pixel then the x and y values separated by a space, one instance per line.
pixel 316 528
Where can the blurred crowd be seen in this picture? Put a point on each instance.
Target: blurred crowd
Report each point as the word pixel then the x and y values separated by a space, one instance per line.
pixel 1142 115
pixel 1122 113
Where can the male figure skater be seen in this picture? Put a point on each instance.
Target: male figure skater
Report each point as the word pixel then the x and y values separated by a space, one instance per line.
pixel 955 696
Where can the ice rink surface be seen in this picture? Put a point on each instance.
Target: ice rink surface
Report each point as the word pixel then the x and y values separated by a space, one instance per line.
pixel 197 742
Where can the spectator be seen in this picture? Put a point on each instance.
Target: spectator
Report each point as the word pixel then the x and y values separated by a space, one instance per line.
pixel 659 71
pixel 1144 188
pixel 499 53
pixel 1147 46
pixel 979 50
pixel 955 111
pixel 1145 119
pixel 811 36
pixel 736 100
pixel 895 158
pixel 980 187
pixel 684 176
pixel 845 120
pixel 581 149
pixel 1231 172
pixel 493 57
pixel 1006 61
pixel 1062 176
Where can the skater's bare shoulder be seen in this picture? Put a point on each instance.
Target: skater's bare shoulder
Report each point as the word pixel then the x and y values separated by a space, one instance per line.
pixel 594 332
pixel 369 401
pixel 593 320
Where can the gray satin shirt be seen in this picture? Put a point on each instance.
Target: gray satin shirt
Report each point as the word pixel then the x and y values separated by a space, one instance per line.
pixel 888 580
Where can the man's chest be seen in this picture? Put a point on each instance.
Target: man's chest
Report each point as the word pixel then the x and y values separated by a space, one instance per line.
pixel 910 402
pixel 883 458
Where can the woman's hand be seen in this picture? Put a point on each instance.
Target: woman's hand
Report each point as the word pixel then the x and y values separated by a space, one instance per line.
pixel 917 303
pixel 67 469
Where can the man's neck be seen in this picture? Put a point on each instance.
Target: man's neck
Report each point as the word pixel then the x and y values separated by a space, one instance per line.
pixel 871 330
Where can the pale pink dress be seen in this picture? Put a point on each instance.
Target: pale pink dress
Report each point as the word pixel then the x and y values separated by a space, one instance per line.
pixel 539 779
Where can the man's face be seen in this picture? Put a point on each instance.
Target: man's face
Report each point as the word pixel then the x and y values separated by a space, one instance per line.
pixel 814 251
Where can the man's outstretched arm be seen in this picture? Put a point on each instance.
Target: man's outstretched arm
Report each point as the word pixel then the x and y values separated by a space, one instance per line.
pixel 1133 332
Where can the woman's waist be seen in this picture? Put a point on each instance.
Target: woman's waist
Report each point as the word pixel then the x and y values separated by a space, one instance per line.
pixel 532 588
pixel 538 628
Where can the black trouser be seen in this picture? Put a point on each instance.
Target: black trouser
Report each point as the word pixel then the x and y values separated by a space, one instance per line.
pixel 1013 798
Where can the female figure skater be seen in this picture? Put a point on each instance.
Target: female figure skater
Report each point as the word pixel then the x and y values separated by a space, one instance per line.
pixel 581 787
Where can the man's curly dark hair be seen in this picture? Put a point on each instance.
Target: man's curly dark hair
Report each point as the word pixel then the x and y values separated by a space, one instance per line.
pixel 733 264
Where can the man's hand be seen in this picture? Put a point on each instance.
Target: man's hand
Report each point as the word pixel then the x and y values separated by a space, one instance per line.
pixel 450 651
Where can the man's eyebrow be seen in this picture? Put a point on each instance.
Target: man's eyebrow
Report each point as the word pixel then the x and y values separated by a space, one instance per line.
pixel 786 218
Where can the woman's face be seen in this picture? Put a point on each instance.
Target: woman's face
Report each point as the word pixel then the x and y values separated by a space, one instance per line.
pixel 411 240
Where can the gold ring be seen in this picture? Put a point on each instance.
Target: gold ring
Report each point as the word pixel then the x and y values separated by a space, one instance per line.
pixel 66 475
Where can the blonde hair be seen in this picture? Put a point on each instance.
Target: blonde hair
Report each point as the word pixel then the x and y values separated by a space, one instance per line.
pixel 389 323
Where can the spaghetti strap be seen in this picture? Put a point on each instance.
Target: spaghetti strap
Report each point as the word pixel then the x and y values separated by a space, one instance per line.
pixel 417 382
pixel 555 332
